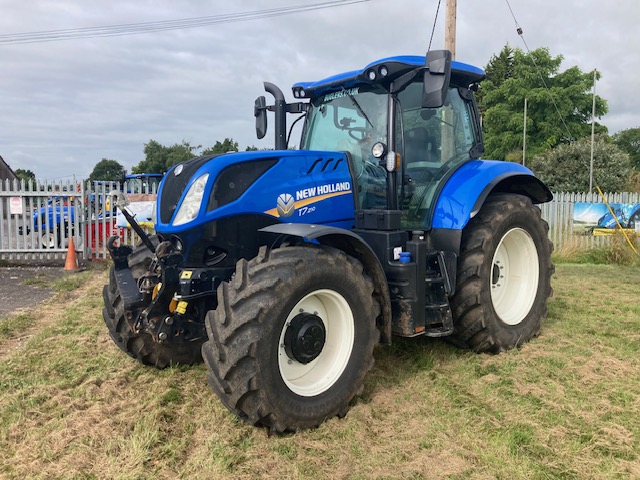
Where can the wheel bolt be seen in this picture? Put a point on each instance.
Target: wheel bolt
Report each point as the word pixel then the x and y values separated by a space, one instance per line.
pixel 162 336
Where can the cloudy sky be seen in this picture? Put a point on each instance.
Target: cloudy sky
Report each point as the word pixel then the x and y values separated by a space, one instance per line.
pixel 65 105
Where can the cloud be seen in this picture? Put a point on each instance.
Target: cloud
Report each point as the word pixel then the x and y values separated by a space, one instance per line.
pixel 66 105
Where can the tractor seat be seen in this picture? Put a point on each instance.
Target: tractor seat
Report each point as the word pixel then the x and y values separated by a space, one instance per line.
pixel 420 149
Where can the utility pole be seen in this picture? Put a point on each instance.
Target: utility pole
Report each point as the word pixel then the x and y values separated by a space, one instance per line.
pixel 593 127
pixel 524 133
pixel 450 28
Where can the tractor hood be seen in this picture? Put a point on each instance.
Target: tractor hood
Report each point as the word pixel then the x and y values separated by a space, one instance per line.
pixel 283 185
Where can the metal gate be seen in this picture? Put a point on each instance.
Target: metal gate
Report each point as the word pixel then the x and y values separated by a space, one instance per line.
pixel 38 220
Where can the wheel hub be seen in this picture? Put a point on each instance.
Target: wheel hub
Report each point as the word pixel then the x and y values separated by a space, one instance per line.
pixel 495 275
pixel 305 337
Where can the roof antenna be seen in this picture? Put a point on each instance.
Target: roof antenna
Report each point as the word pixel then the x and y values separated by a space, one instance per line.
pixel 434 25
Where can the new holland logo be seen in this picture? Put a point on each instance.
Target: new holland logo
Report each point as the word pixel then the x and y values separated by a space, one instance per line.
pixel 286 205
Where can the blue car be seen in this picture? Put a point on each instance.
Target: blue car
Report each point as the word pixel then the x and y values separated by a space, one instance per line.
pixel 54 222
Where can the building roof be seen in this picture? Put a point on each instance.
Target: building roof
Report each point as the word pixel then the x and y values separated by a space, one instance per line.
pixel 5 171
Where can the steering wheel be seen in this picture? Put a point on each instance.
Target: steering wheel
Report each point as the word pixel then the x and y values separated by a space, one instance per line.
pixel 362 131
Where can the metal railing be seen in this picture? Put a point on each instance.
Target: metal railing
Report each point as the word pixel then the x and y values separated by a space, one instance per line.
pixel 38 219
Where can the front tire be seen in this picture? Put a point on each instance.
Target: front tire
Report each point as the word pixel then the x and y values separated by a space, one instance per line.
pixel 504 276
pixel 292 337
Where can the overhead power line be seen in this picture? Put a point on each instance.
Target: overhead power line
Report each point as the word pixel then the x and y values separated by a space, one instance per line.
pixel 149 27
pixel 521 33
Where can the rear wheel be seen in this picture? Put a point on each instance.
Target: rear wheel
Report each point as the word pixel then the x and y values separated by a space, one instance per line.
pixel 56 236
pixel 141 346
pixel 50 240
pixel 292 337
pixel 504 276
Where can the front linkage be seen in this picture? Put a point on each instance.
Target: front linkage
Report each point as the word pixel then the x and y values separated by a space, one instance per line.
pixel 151 306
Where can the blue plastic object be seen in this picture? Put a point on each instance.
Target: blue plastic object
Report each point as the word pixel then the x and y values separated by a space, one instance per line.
pixel 405 257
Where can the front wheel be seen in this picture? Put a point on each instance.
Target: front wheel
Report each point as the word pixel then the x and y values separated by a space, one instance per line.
pixel 504 276
pixel 292 337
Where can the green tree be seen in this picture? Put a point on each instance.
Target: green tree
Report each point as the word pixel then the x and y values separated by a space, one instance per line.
pixel 107 170
pixel 227 145
pixel 629 141
pixel 26 175
pixel 159 159
pixel 566 167
pixel 514 75
pixel 498 70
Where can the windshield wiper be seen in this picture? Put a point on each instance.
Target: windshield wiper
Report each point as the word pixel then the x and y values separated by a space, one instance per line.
pixel 357 105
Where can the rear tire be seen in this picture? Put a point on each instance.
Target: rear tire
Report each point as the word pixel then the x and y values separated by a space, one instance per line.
pixel 292 337
pixel 504 276
pixel 141 346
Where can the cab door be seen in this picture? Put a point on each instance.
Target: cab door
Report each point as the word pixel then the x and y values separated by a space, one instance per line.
pixel 434 143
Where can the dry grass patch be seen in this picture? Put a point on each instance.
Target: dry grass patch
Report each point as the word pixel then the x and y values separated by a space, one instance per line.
pixel 563 406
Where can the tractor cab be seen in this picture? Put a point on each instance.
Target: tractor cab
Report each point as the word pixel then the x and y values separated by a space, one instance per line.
pixel 406 126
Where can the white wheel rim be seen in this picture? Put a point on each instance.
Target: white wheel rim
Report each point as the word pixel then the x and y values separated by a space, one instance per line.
pixel 514 276
pixel 321 373
pixel 48 240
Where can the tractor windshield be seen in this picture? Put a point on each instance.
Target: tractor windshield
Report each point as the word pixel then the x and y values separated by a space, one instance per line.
pixel 352 120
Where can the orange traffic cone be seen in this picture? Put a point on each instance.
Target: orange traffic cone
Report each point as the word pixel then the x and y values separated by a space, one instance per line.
pixel 71 263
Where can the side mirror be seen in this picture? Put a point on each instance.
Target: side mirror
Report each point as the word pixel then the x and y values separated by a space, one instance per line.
pixel 436 78
pixel 260 112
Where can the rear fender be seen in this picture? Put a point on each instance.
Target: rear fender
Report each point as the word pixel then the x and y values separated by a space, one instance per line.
pixel 352 245
pixel 467 189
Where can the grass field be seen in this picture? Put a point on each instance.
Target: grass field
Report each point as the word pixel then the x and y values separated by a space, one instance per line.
pixel 565 405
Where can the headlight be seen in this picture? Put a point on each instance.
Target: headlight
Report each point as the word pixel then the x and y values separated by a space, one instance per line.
pixel 192 201
pixel 378 150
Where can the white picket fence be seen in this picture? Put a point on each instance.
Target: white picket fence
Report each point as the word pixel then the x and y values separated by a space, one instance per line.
pixel 559 214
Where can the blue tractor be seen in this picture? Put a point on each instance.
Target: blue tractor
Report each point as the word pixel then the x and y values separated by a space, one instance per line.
pixel 284 268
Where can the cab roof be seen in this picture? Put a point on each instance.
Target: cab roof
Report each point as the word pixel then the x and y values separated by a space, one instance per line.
pixel 384 71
